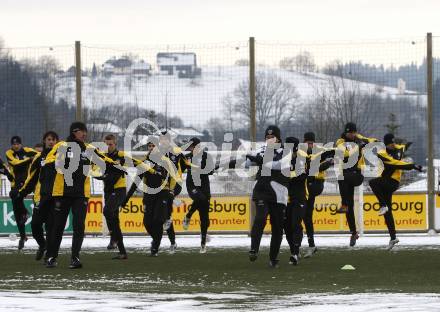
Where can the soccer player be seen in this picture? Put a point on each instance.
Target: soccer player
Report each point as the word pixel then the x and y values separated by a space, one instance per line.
pixel 19 159
pixel 352 176
pixel 71 189
pixel 158 176
pixel 270 194
pixel 198 186
pixel 388 182
pixel 175 154
pixel 114 194
pixel 315 186
pixel 42 213
pixel 297 190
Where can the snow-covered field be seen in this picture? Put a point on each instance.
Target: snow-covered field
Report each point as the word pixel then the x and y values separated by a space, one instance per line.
pixel 241 241
pixel 68 300
pixel 106 301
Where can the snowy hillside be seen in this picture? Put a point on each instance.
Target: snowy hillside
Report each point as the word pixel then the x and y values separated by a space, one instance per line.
pixel 195 100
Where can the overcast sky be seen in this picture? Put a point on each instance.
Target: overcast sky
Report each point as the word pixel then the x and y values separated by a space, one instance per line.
pixel 50 22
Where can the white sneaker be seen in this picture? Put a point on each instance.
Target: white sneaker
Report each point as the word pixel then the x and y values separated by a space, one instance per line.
pixel 167 224
pixel 203 249
pixel 310 252
pixel 173 248
pixel 392 243
pixel 383 210
pixel 185 223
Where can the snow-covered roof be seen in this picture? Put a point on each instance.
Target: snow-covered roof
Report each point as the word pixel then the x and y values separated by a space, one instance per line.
pixel 107 66
pixel 176 59
pixel 104 127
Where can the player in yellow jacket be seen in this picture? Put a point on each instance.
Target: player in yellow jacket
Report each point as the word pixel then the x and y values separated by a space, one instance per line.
pixel 351 143
pixel 115 190
pixel 158 176
pixel 315 186
pixel 19 159
pixel 388 182
pixel 42 213
pixel 71 189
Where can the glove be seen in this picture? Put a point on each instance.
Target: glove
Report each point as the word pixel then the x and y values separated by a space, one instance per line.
pixel 161 172
pixel 101 178
pixel 258 159
pixel 418 168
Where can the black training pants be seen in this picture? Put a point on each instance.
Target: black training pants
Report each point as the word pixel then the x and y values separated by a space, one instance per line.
pixel 20 213
pixel 155 214
pixel 113 200
pixel 315 188
pixel 200 203
pixel 346 189
pixel 383 188
pixel 63 205
pixel 42 215
pixel 276 212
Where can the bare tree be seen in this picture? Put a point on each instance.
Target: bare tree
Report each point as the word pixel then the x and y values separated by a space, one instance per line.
pixel 337 101
pixel 47 68
pixel 275 101
pixel 303 62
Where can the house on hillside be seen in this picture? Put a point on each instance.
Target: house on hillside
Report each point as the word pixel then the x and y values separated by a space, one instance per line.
pixel 182 64
pixel 120 66
pixel 107 69
pixel 140 68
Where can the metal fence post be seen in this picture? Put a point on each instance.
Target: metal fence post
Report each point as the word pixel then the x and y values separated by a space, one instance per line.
pixel 252 100
pixel 78 115
pixel 252 110
pixel 431 174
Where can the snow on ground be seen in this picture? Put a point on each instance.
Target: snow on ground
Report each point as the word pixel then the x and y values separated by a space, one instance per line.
pixel 107 301
pixel 240 241
pixel 56 300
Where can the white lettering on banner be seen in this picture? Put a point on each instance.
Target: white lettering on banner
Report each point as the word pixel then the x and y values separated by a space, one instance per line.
pixel 7 217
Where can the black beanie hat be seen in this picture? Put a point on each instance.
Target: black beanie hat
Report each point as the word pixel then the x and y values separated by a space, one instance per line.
pixel 350 127
pixel 194 141
pixel 15 140
pixel 77 125
pixel 293 140
pixel 273 130
pixel 309 136
pixel 388 139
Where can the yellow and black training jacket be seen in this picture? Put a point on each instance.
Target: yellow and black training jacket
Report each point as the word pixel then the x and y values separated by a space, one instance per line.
pixel 393 165
pixel 19 163
pixel 35 178
pixel 360 141
pixel 65 155
pixel 115 178
pixel 159 174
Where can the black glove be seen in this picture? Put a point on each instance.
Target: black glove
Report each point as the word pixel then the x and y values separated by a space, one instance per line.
pixel 258 159
pixel 101 178
pixel 418 168
pixel 160 171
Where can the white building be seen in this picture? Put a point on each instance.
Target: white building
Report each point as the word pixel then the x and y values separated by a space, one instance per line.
pixel 183 64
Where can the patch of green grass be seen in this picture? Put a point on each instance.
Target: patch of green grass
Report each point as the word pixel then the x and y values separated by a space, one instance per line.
pixel 229 270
